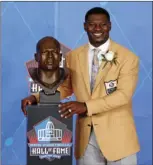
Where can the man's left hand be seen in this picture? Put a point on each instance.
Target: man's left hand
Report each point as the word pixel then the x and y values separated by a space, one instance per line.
pixel 67 110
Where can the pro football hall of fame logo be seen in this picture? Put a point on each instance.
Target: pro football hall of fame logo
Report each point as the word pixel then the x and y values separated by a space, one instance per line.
pixel 50 139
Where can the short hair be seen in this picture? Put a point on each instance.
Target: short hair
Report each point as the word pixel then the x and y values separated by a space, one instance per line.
pixel 97 10
pixel 42 40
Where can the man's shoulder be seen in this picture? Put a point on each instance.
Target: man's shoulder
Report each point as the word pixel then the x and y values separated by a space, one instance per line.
pixel 77 50
pixel 123 52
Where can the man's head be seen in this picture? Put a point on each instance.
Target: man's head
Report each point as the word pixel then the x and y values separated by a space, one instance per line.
pixel 97 25
pixel 48 53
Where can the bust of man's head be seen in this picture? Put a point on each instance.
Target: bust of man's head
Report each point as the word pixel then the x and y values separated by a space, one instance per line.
pixel 48 54
pixel 48 75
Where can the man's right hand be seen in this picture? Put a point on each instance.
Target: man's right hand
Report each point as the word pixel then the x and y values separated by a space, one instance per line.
pixel 27 101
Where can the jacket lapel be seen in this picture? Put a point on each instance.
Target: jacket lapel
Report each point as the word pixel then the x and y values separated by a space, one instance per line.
pixel 103 70
pixel 84 66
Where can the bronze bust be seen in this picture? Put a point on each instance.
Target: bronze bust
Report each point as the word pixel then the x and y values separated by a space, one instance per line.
pixel 48 75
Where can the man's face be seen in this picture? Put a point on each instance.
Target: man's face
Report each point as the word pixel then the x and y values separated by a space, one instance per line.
pixel 97 27
pixel 49 56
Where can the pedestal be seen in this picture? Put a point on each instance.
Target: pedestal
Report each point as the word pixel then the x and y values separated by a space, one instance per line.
pixel 49 136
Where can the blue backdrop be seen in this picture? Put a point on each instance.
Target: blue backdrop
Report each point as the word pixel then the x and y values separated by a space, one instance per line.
pixel 24 23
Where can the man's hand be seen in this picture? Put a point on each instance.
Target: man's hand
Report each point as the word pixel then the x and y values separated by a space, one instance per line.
pixel 67 110
pixel 27 101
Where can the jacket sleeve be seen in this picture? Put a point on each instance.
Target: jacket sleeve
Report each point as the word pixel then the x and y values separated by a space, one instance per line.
pixel 36 96
pixel 66 87
pixel 127 82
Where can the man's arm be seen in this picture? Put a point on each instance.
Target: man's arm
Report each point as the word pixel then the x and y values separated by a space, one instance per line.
pixel 66 87
pixel 36 96
pixel 126 86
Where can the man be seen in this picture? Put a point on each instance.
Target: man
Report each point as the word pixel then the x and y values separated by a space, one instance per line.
pixel 103 84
